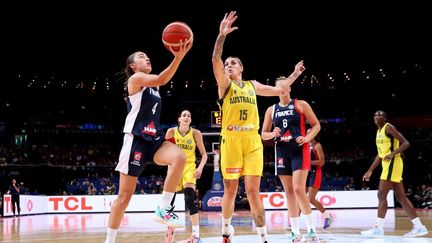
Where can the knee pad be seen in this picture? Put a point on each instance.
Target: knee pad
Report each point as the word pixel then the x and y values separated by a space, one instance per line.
pixel 189 194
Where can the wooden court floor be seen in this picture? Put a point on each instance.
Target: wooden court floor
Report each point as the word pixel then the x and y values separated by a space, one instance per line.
pixel 139 227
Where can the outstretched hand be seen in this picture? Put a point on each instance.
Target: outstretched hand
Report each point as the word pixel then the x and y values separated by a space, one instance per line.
pixel 225 25
pixel 299 67
pixel 185 46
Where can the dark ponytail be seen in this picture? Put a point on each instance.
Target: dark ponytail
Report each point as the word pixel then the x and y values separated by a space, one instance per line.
pixel 127 72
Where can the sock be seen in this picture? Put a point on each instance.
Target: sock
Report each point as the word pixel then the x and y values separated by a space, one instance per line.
pixel 326 214
pixel 195 230
pixel 309 223
pixel 111 235
pixel 295 225
pixel 225 226
pixel 262 232
pixel 166 199
pixel 417 223
pixel 380 223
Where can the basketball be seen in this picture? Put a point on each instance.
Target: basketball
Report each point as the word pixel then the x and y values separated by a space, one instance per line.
pixel 174 32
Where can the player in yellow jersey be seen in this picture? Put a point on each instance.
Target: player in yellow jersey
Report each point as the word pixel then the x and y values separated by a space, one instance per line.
pixel 390 144
pixel 241 147
pixel 188 139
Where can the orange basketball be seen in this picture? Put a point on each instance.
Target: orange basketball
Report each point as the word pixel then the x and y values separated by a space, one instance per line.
pixel 174 32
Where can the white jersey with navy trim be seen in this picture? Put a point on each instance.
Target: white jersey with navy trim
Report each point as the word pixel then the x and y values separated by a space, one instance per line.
pixel 144 109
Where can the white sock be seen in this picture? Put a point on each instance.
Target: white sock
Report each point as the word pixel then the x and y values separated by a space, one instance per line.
pixel 295 225
pixel 326 214
pixel 166 199
pixel 111 235
pixel 417 223
pixel 262 233
pixel 309 223
pixel 380 223
pixel 225 226
pixel 195 230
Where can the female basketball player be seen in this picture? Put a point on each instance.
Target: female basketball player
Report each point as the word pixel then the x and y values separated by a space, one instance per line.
pixel 292 154
pixel 144 141
pixel 314 178
pixel 241 146
pixel 390 144
pixel 188 139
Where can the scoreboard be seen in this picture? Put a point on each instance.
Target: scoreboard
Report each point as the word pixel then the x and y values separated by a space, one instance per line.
pixel 216 119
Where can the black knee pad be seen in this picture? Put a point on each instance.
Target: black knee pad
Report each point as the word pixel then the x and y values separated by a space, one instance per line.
pixel 189 194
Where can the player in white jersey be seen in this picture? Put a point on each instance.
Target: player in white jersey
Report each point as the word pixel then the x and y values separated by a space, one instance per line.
pixel 144 140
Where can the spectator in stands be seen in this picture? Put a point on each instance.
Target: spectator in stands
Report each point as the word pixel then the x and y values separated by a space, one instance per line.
pixel 423 197
pixel 364 187
pixel 23 190
pixel 101 192
pixel 91 190
pixel 110 189
pixel 86 182
pixel 390 144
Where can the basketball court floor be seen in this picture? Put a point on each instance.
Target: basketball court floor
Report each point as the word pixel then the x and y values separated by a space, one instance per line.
pixel 139 227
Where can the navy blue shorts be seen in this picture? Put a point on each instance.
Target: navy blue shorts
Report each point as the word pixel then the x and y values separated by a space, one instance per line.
pixel 135 153
pixel 289 157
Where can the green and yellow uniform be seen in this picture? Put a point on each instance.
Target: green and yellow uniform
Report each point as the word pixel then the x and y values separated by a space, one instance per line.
pixel 241 147
pixel 391 170
pixel 188 145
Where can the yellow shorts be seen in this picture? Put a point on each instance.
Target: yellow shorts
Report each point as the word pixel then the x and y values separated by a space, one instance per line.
pixel 241 155
pixel 392 170
pixel 188 175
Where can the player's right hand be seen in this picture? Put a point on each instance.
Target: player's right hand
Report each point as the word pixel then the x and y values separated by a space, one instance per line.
pixel 367 175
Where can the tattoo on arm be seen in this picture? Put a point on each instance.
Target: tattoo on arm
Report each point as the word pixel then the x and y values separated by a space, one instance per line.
pixel 293 76
pixel 217 53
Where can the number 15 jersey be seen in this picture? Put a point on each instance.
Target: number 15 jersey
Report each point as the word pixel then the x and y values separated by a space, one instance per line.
pixel 239 109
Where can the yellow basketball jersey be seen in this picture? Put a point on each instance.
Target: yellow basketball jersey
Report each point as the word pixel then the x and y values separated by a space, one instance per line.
pixel 385 145
pixel 186 143
pixel 239 109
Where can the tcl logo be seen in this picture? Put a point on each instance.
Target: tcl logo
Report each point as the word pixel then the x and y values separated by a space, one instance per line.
pixel 275 199
pixel 29 205
pixel 327 200
pixel 8 205
pixel 69 204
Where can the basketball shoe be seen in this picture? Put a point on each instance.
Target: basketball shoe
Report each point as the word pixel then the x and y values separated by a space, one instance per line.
pixel 295 238
pixel 328 221
pixel 375 231
pixel 417 231
pixel 228 238
pixel 168 217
